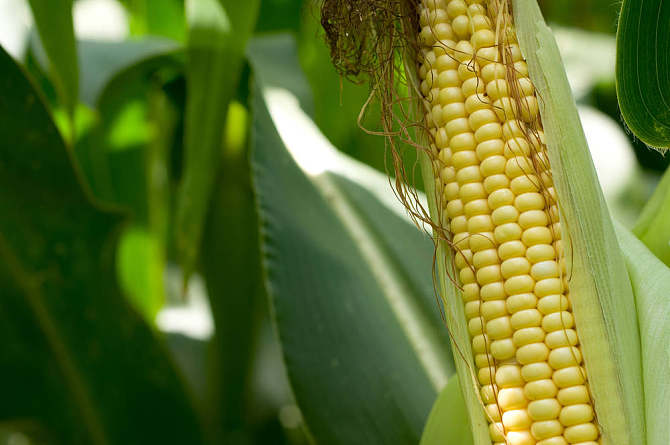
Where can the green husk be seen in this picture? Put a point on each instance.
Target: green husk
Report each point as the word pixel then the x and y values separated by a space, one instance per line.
pixel 602 297
pixel 651 282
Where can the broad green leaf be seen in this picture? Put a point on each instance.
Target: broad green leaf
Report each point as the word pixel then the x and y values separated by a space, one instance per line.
pixel 607 327
pixel 54 24
pixel 643 69
pixel 653 226
pixel 651 284
pixel 349 278
pixel 347 318
pixel 76 359
pixel 217 36
pixel 448 420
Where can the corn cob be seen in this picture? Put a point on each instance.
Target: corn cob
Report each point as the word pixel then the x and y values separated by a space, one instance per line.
pixel 498 201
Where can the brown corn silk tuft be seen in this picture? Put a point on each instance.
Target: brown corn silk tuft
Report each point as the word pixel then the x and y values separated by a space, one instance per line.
pixel 496 205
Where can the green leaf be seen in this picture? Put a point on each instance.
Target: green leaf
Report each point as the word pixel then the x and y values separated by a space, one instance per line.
pixel 398 237
pixel 54 24
pixel 216 43
pixel 608 328
pixel 651 283
pixel 349 278
pixel 643 69
pixel 653 226
pixel 231 267
pixel 345 340
pixel 448 420
pixel 157 18
pixel 243 17
pixel 76 359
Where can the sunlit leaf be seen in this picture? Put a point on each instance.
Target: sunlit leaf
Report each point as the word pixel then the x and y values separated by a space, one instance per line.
pixel 157 18
pixel 140 267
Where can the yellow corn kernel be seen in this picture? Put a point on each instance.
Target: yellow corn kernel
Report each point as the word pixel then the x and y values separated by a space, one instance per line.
pixel 544 409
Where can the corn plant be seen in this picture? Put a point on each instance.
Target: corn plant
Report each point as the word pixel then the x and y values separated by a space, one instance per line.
pixel 186 256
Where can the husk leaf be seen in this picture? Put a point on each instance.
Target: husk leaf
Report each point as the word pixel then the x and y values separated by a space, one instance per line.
pixel 651 284
pixel 601 293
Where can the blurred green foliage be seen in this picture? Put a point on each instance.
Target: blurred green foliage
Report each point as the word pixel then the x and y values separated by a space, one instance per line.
pixel 590 15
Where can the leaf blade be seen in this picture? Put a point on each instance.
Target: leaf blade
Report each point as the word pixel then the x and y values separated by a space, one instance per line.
pixel 217 36
pixel 344 322
pixel 315 307
pixel 54 23
pixel 643 70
